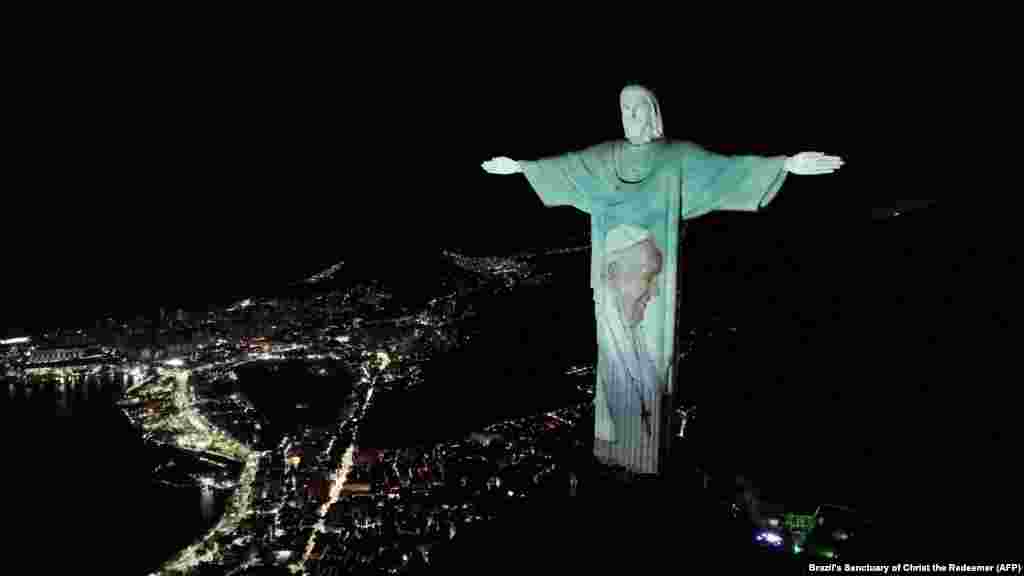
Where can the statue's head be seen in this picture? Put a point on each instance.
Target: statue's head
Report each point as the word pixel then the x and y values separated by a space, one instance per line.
pixel 641 115
pixel 632 265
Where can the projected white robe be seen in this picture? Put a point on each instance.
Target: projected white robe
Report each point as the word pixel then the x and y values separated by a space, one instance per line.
pixel 628 385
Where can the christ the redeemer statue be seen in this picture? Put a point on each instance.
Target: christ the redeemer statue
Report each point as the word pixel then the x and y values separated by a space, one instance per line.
pixel 636 190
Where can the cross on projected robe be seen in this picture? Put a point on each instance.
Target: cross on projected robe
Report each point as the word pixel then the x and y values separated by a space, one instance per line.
pixel 650 186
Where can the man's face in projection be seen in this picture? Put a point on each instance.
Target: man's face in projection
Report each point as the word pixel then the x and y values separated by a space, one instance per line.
pixel 636 279
pixel 636 116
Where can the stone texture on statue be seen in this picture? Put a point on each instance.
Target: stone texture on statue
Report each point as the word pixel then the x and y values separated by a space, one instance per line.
pixel 648 184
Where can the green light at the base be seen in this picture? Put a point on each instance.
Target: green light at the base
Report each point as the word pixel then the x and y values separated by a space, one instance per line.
pixel 797 549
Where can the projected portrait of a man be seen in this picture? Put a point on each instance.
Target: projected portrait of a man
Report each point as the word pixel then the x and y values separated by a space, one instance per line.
pixel 627 400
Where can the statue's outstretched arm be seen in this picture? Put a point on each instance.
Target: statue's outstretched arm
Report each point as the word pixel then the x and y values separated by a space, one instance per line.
pixel 810 163
pixel 502 165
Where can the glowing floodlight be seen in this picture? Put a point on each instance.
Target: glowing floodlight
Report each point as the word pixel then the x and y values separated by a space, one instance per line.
pixel 770 538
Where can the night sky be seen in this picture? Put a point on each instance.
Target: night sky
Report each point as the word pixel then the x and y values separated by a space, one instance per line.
pixel 172 168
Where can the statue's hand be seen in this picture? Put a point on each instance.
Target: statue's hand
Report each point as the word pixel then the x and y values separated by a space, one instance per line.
pixel 502 165
pixel 809 163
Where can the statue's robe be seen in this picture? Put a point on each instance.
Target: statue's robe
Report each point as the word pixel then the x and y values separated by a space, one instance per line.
pixel 652 186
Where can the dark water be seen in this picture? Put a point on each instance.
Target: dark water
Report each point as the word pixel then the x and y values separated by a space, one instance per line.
pixel 83 495
pixel 515 365
pixel 291 394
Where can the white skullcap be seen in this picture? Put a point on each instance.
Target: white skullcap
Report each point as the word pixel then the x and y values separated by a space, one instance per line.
pixel 623 236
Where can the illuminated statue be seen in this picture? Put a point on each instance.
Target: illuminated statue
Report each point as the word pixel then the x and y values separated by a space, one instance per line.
pixel 636 191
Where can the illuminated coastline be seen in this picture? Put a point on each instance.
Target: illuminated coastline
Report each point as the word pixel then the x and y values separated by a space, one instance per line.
pixel 202 435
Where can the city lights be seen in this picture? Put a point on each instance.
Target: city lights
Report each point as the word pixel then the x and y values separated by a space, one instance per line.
pixel 293 504
pixel 241 305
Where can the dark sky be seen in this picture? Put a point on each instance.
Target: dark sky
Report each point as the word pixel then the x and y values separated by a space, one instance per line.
pixel 168 170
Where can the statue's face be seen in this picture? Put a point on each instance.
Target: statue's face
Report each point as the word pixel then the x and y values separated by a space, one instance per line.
pixel 637 280
pixel 637 116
